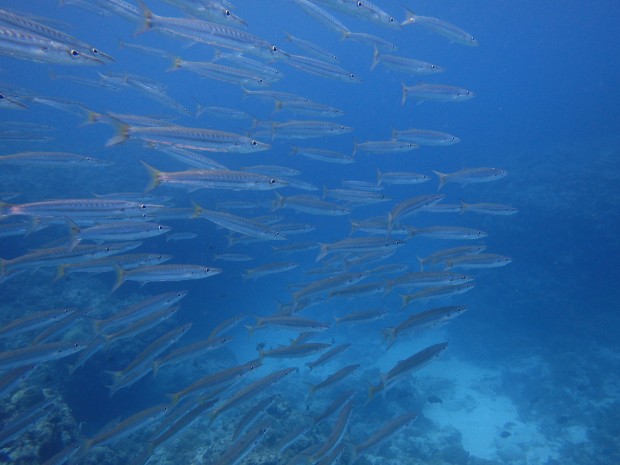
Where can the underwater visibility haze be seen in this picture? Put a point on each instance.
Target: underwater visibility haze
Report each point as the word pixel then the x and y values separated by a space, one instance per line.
pixel 309 232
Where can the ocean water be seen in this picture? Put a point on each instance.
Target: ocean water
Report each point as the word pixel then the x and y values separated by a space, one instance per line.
pixel 530 374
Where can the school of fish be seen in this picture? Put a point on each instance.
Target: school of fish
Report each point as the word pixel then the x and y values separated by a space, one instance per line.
pixel 261 183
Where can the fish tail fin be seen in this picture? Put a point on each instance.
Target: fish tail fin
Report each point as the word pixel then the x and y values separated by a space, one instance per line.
pixel 355 148
pixel 325 192
pixel 389 334
pixel 405 94
pixel 197 210
pixel 409 17
pixel 74 234
pixel 261 355
pixel 464 207
pixel 379 177
pixel 442 179
pixel 324 250
pixel 405 299
pixel 60 272
pixel 375 58
pixel 176 64
pixel 246 93
pixel 294 150
pixel 278 202
pixel 250 329
pixel 122 135
pixel 154 177
pixel 421 262
pixel 120 277
pixel 147 18
pixel 174 397
pixel 412 232
pixel 354 225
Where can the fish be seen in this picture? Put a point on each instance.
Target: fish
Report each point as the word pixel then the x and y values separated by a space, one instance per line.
pixel 334 378
pixel 210 140
pixel 441 27
pixel 164 273
pixel 436 292
pixel 425 137
pixel 239 224
pixel 407 65
pixel 470 175
pixel 433 318
pixel 436 93
pixel 38 353
pixel 406 366
pixel 382 434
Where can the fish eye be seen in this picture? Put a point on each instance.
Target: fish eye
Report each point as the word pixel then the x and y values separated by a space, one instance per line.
pixel 160 227
pixel 76 345
pixel 391 20
pixel 2 96
pixel 143 206
pixel 207 270
pixel 227 12
pixel 95 51
pixel 360 4
pixel 254 143
pixel 74 53
pixel 107 249
pixel 274 48
pixel 272 181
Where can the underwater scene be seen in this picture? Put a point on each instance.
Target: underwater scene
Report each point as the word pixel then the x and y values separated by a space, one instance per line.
pixel 282 232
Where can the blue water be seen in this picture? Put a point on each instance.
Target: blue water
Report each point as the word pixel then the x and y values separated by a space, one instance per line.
pixel 540 333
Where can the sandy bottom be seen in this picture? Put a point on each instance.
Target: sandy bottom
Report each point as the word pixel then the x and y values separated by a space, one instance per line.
pixel 489 424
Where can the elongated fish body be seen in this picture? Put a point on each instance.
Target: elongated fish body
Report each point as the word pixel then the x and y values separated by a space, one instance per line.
pixel 382 434
pixel 444 28
pixel 302 129
pixel 322 16
pixel 384 146
pixel 164 273
pixel 27 24
pixel 197 138
pixel 436 292
pixel 81 209
pixel 119 231
pixel 334 378
pixel 240 224
pixel 429 278
pixel 436 93
pixel 244 445
pixel 294 351
pixel 36 320
pixel 359 244
pixel 448 232
pixel 432 318
pixel 140 310
pixel 488 208
pixel 18 43
pixel 210 33
pixel 470 175
pixel 251 390
pixel 213 179
pixel 407 65
pixel 52 159
pixel 406 366
pixel 322 68
pixel 38 353
pixel 425 136
pixel 468 262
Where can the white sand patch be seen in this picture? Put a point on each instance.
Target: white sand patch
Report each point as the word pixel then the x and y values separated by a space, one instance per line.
pixel 481 416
